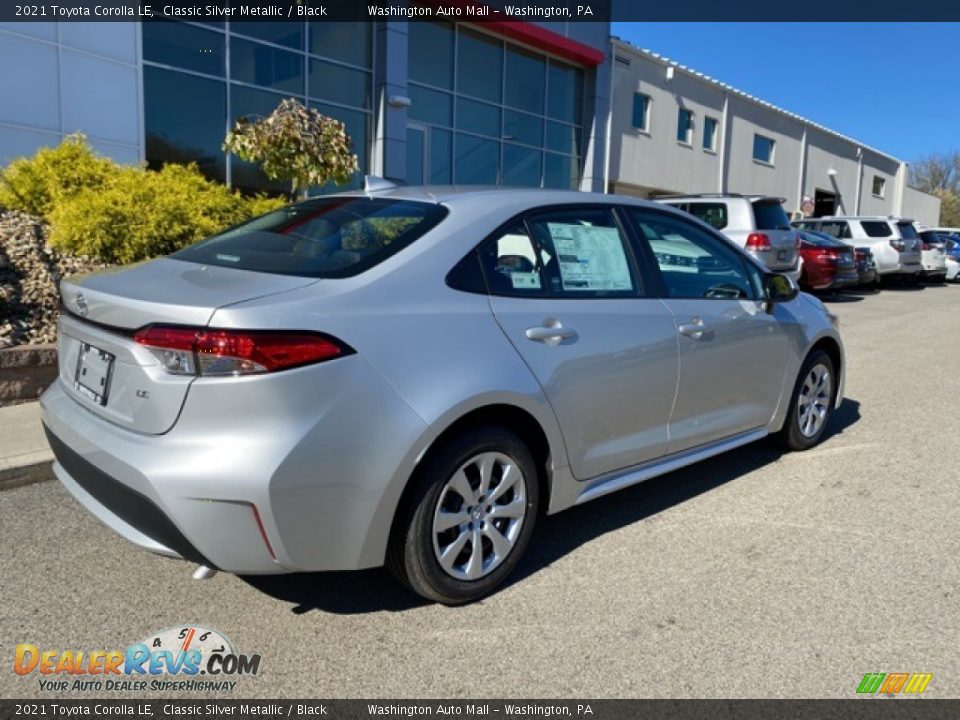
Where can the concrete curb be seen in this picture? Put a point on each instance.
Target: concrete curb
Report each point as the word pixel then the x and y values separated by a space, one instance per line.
pixel 14 477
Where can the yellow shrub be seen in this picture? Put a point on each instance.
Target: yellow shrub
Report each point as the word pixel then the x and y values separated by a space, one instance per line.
pixel 139 213
pixel 34 184
pixel 119 213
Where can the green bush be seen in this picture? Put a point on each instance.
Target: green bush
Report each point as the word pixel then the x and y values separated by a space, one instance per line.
pixel 118 213
pixel 139 214
pixel 35 184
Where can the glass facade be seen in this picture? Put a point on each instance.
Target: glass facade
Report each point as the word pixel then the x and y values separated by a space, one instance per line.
pixel 485 111
pixel 200 78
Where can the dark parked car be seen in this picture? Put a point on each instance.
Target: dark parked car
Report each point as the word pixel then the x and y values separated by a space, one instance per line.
pixel 828 264
pixel 866 268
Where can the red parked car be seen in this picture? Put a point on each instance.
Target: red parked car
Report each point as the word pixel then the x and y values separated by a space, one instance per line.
pixel 828 264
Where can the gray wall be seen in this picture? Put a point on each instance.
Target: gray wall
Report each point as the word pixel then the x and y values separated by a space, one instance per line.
pixel 806 157
pixel 58 78
pixel 923 208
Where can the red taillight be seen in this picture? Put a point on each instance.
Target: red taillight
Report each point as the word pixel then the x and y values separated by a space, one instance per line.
pixel 924 245
pixel 203 351
pixel 898 245
pixel 758 241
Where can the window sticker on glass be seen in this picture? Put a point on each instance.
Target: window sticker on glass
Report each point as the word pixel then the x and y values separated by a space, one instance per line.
pixel 590 258
pixel 525 280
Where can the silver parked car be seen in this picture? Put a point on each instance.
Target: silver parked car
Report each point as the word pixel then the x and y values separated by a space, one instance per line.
pixel 757 223
pixel 409 376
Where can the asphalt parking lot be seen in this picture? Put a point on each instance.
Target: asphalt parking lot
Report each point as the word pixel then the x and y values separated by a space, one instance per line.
pixel 754 574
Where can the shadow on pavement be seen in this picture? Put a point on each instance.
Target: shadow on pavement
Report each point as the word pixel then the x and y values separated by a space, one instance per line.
pixel 840 297
pixel 375 590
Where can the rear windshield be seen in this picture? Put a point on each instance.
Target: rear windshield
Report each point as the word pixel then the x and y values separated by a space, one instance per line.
pixel 933 238
pixel 323 238
pixel 907 231
pixel 876 228
pixel 770 215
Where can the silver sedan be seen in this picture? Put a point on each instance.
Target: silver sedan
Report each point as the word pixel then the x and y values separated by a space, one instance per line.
pixel 410 376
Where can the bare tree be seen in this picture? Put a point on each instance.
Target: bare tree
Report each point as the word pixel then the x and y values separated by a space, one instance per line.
pixel 937 173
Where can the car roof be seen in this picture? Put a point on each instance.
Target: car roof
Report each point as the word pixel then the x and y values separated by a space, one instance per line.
pixel 719 196
pixel 454 194
pixel 885 218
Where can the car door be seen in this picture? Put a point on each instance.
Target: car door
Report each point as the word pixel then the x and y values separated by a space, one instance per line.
pixel 732 352
pixel 566 289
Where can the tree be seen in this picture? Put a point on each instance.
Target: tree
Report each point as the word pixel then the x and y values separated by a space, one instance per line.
pixel 938 172
pixel 297 144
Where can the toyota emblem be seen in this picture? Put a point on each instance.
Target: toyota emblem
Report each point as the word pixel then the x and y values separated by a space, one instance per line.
pixel 82 308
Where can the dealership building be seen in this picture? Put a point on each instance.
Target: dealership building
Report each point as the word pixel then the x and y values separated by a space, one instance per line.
pixel 557 105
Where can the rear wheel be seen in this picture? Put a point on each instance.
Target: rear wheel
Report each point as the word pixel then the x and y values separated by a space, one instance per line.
pixel 468 519
pixel 811 404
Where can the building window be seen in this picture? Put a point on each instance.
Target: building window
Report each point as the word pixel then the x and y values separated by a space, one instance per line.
pixel 641 112
pixel 685 126
pixel 189 87
pixel 879 186
pixel 518 123
pixel 710 134
pixel 763 149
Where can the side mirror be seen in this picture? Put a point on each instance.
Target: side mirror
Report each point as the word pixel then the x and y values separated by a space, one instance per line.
pixel 779 288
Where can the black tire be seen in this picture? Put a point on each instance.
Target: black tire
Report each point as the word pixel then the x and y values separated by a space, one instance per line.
pixel 791 436
pixel 411 556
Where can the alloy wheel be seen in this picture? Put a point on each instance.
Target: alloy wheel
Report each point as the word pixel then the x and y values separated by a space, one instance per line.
pixel 478 516
pixel 814 400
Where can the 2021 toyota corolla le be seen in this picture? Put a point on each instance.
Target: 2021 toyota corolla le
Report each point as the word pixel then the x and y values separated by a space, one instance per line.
pixel 408 376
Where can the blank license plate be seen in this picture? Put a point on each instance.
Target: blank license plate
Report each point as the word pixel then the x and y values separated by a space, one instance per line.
pixel 94 367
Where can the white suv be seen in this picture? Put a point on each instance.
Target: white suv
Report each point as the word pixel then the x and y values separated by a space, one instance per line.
pixel 894 241
pixel 757 223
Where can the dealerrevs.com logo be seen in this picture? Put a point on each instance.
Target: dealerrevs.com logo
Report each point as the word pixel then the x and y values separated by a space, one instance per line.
pixel 185 657
pixel 894 683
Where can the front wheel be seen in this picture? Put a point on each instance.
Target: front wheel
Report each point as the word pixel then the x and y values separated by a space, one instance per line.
pixel 811 404
pixel 468 518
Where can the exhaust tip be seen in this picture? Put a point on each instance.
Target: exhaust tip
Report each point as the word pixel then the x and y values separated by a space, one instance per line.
pixel 203 573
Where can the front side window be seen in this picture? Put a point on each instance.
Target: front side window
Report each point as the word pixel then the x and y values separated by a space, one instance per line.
pixel 685 126
pixel 763 149
pixel 710 134
pixel 875 228
pixel 582 254
pixel 323 238
pixel 692 262
pixel 641 108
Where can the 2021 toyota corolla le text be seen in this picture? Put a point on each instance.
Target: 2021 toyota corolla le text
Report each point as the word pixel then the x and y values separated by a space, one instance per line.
pixel 408 377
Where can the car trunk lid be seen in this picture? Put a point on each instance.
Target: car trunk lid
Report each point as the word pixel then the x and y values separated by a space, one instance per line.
pixel 106 370
pixel 772 221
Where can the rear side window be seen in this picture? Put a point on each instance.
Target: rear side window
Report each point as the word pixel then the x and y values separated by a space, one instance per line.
pixel 322 238
pixel 837 229
pixel 770 216
pixel 714 214
pixel 512 264
pixel 907 231
pixel 876 228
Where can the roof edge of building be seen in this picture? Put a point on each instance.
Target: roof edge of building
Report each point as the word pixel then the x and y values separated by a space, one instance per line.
pixel 714 82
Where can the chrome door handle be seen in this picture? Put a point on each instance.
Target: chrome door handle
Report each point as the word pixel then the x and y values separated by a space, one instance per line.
pixel 694 329
pixel 552 332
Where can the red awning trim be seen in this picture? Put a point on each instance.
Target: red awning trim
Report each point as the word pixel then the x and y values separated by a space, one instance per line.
pixel 538 37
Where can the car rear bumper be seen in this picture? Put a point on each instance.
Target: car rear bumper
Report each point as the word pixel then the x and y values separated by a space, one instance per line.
pixel 298 482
